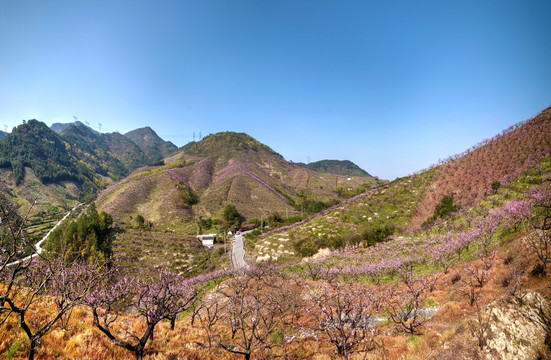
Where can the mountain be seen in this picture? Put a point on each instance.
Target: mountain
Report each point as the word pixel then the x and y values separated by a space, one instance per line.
pixel 34 145
pixel 468 176
pixel 514 159
pixel 221 169
pixel 111 155
pixel 58 168
pixel 2 134
pixel 339 167
pixel 151 144
pixel 40 172
pixel 61 127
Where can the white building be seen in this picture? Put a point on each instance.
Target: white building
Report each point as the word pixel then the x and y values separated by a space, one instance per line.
pixel 207 240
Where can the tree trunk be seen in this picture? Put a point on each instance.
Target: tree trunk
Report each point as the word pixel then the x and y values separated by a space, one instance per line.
pixel 138 351
pixel 172 323
pixel 31 350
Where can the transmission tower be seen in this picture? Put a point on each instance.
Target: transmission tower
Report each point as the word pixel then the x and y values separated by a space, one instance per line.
pixel 99 124
pixel 194 136
pixel 200 136
pixel 5 128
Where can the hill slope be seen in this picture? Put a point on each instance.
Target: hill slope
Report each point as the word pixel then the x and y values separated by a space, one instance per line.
pixel 405 204
pixel 151 144
pixel 224 168
pixel 60 167
pixel 469 176
pixel 34 145
pixel 2 134
pixel 339 167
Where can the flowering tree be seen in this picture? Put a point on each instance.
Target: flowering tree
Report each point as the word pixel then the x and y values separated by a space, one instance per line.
pixel 248 311
pixel 38 292
pixel 346 315
pixel 403 303
pixel 15 252
pixel 516 212
pixel 540 240
pixel 47 291
pixel 160 297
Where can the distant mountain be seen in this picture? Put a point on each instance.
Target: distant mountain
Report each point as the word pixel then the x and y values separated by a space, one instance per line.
pixel 223 168
pixel 111 155
pixel 338 167
pixel 151 144
pixel 61 127
pixel 62 166
pixel 34 145
pixel 2 134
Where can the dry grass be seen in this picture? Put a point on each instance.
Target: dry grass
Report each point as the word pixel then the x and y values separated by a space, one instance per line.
pixel 445 335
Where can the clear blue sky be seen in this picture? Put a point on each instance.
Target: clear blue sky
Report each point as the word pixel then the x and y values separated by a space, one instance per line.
pixel 390 85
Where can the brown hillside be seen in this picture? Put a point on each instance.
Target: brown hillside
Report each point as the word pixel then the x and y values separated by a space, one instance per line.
pixel 222 169
pixel 468 176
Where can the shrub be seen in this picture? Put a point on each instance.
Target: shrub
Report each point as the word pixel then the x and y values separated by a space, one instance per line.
pixel 495 186
pixel 188 197
pixel 377 234
pixel 232 216
pixel 538 270
pixel 442 210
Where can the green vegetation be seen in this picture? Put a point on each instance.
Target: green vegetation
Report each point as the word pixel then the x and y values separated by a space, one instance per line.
pixel 187 196
pixel 142 223
pixel 232 216
pixel 339 167
pixel 34 145
pixel 97 151
pixel 442 210
pixel 207 224
pixel 223 141
pixel 172 165
pixel 13 350
pixel 87 237
pixel 378 234
pixel 495 186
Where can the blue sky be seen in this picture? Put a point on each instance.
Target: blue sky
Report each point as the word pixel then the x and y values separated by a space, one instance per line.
pixel 390 85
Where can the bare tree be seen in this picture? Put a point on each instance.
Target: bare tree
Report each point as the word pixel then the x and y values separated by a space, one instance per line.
pixel 404 304
pixel 248 311
pixel 346 315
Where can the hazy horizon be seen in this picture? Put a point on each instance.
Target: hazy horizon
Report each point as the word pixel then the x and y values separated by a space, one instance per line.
pixel 392 87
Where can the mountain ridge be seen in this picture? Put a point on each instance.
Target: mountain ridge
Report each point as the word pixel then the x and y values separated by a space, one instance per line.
pixel 151 144
pixel 339 167
pixel 226 168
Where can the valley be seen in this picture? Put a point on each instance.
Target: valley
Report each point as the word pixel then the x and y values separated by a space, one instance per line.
pixel 451 260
